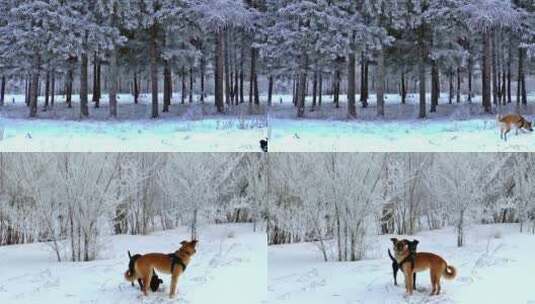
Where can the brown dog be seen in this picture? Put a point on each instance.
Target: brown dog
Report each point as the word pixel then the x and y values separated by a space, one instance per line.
pixel 511 121
pixel 422 261
pixel 173 263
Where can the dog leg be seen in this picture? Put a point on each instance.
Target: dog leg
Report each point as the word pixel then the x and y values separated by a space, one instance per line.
pixel 437 292
pixel 146 284
pixel 414 280
pixel 395 269
pixel 174 282
pixel 433 283
pixel 411 286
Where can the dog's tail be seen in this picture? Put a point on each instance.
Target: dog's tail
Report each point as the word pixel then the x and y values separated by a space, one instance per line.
pixel 450 272
pixel 130 274
pixel 391 257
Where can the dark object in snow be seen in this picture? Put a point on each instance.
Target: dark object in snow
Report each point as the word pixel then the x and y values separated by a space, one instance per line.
pixel 395 266
pixel 280 101
pixel 28 135
pixel 155 281
pixel 264 145
pixel 297 136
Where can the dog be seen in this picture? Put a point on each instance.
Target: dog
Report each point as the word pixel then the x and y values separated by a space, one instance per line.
pixel 264 145
pixel 395 266
pixel 510 121
pixel 174 264
pixel 155 281
pixel 422 261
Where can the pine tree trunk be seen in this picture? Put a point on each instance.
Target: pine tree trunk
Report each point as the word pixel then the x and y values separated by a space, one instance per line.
pixel 3 91
pixel 52 88
pixel 203 71
pixel 421 73
pixel 458 85
pixel 256 91
pixel 70 78
pixel 320 89
pixel 314 91
pixel 153 53
pixel 450 94
pixel 351 92
pixel 364 81
pixel 403 89
pixel 301 87
pixel 113 84
pixel 495 71
pixel 381 83
pixel 166 86
pixel 191 79
pixel 509 74
pixel 27 83
pixel 34 85
pixel 84 101
pixel 522 96
pixel 96 96
pixel 470 75
pixel 337 77
pixel 242 76
pixel 219 71
pixel 252 75
pixel 47 90
pixel 183 93
pixel 486 73
pixel 435 86
pixel 228 76
pixel 136 89
pixel 270 91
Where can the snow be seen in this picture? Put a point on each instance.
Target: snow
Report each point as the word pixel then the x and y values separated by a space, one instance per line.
pixel 454 128
pixel 186 128
pixel 229 267
pixel 194 128
pixel 496 266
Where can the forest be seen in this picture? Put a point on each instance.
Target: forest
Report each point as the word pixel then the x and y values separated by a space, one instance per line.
pixel 232 52
pixel 340 202
pixel 70 201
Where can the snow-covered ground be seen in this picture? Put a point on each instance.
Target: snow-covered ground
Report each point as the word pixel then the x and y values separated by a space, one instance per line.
pixel 454 128
pixel 196 127
pixel 186 128
pixel 495 266
pixel 230 267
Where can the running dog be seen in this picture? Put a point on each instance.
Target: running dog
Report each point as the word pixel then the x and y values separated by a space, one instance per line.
pixel 395 266
pixel 422 261
pixel 174 264
pixel 511 121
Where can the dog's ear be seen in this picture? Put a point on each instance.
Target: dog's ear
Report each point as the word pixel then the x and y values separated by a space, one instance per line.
pixel 394 240
pixel 194 243
pixel 415 242
pixel 183 243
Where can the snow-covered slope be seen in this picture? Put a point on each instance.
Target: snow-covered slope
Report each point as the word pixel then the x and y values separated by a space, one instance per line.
pixel 229 267
pixel 496 266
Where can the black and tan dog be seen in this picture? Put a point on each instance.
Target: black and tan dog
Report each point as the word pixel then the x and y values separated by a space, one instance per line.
pixel 395 265
pixel 422 261
pixel 510 121
pixel 174 264
pixel 155 281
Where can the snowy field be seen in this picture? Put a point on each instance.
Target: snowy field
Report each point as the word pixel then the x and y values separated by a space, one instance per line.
pixel 194 128
pixel 229 267
pixel 496 266
pixel 186 128
pixel 454 128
